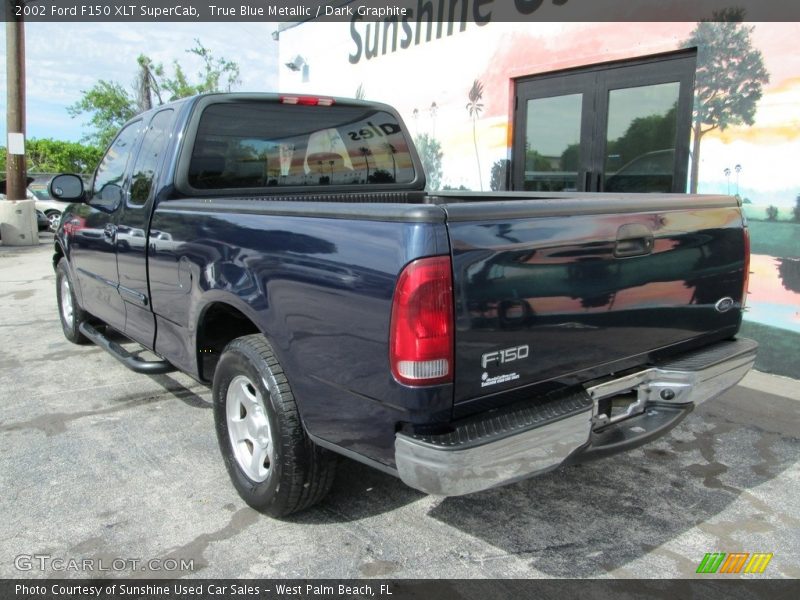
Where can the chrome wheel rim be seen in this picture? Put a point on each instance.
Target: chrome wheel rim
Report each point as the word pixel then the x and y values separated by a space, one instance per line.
pixel 248 429
pixel 66 301
pixel 53 219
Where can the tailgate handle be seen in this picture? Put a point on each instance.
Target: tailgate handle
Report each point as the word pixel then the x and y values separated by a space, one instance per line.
pixel 633 239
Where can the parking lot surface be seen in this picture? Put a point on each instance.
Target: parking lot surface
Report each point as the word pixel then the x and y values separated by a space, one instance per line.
pixel 97 462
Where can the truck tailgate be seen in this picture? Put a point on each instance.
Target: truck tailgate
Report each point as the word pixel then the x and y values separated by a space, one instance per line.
pixel 570 289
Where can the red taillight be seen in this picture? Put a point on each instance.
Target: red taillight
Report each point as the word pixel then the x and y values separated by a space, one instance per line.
pixel 746 265
pixel 421 334
pixel 307 100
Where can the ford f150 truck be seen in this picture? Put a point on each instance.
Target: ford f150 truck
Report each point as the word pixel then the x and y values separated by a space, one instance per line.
pixel 283 249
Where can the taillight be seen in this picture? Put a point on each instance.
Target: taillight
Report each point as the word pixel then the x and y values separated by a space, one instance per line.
pixel 746 265
pixel 421 334
pixel 307 100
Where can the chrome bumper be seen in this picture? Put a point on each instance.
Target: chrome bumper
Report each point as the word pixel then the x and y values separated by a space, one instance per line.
pixel 519 442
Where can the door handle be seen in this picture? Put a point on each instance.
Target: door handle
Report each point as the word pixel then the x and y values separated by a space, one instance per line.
pixel 633 239
pixel 110 231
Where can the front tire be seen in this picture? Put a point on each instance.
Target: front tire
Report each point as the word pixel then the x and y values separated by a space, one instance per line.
pixel 53 220
pixel 272 463
pixel 69 312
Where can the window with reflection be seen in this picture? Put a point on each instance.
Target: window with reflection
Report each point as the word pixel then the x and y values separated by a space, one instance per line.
pixel 266 144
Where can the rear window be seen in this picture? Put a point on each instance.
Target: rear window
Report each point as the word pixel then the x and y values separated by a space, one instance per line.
pixel 267 144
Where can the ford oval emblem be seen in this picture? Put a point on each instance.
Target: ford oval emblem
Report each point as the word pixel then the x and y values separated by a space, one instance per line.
pixel 724 304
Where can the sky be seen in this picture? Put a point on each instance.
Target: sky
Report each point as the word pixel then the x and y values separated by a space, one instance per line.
pixel 64 58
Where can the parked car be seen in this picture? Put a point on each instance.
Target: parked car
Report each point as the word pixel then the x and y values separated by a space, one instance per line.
pixel 42 222
pixel 459 341
pixel 46 204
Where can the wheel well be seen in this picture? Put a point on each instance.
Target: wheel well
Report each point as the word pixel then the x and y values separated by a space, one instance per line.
pixel 220 324
pixel 58 254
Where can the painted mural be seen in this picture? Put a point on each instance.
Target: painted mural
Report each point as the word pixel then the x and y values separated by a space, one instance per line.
pixel 454 88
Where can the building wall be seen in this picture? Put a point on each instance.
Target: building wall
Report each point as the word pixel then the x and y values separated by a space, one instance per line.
pixel 442 70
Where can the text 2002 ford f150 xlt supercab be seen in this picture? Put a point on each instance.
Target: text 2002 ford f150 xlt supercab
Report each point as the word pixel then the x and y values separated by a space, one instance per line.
pixel 288 254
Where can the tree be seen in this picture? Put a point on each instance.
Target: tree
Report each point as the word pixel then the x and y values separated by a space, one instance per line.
pixel 474 107
pixel 430 153
pixel 796 209
pixel 499 173
pixel 772 212
pixel 57 156
pixel 110 105
pixel 729 78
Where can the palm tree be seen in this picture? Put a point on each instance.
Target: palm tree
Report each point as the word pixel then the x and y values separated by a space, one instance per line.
pixel 392 151
pixel 474 107
pixel 727 173
pixel 365 152
pixel 434 109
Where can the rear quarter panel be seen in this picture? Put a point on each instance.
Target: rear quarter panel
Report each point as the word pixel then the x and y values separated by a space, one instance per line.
pixel 320 289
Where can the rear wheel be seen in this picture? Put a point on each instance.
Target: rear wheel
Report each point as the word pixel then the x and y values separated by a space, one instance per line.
pixel 272 463
pixel 69 312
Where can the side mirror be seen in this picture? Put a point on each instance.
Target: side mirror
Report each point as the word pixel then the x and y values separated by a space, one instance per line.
pixel 66 188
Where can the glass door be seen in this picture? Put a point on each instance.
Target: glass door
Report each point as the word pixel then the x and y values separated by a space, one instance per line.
pixel 618 127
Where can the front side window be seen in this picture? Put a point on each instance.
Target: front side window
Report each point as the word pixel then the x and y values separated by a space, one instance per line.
pixel 266 144
pixel 110 175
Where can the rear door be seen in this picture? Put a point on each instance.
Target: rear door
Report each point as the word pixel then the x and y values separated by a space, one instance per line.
pixel 133 242
pixel 548 291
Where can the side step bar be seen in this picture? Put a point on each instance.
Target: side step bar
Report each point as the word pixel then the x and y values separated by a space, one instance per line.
pixel 134 363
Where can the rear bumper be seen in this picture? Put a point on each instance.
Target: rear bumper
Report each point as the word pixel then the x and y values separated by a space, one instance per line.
pixel 520 441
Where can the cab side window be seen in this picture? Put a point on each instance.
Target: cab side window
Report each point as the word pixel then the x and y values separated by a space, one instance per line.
pixel 109 180
pixel 153 145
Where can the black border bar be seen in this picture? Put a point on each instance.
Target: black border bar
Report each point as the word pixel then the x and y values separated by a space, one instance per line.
pixel 477 12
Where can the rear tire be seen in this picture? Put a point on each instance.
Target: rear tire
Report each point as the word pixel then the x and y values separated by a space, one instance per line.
pixel 69 312
pixel 271 461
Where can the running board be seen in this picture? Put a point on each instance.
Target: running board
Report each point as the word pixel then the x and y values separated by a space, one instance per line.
pixel 134 363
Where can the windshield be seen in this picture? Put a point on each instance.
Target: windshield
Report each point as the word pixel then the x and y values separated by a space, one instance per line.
pixel 267 144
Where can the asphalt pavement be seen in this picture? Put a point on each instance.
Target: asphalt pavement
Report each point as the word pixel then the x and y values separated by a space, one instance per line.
pixel 114 469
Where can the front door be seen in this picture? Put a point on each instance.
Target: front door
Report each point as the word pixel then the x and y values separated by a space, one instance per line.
pixel 617 127
pixel 93 246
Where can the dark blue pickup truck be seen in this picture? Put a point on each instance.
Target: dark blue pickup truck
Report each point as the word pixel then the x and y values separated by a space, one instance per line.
pixel 284 250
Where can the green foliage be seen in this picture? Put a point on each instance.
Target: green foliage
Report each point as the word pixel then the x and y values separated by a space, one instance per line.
pixel 498 176
pixel 570 158
pixel 57 156
pixel 109 105
pixel 430 153
pixel 772 213
pixel 645 134
pixel 730 72
pixel 217 74
pixel 729 78
pixel 796 209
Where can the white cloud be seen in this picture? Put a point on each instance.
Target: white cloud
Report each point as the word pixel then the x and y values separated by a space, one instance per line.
pixel 64 58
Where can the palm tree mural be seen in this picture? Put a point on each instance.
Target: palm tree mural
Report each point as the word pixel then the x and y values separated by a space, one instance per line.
pixel 474 107
pixel 434 109
pixel 392 151
pixel 365 152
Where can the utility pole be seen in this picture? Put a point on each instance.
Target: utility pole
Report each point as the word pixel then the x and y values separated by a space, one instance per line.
pixel 15 123
pixel 17 213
